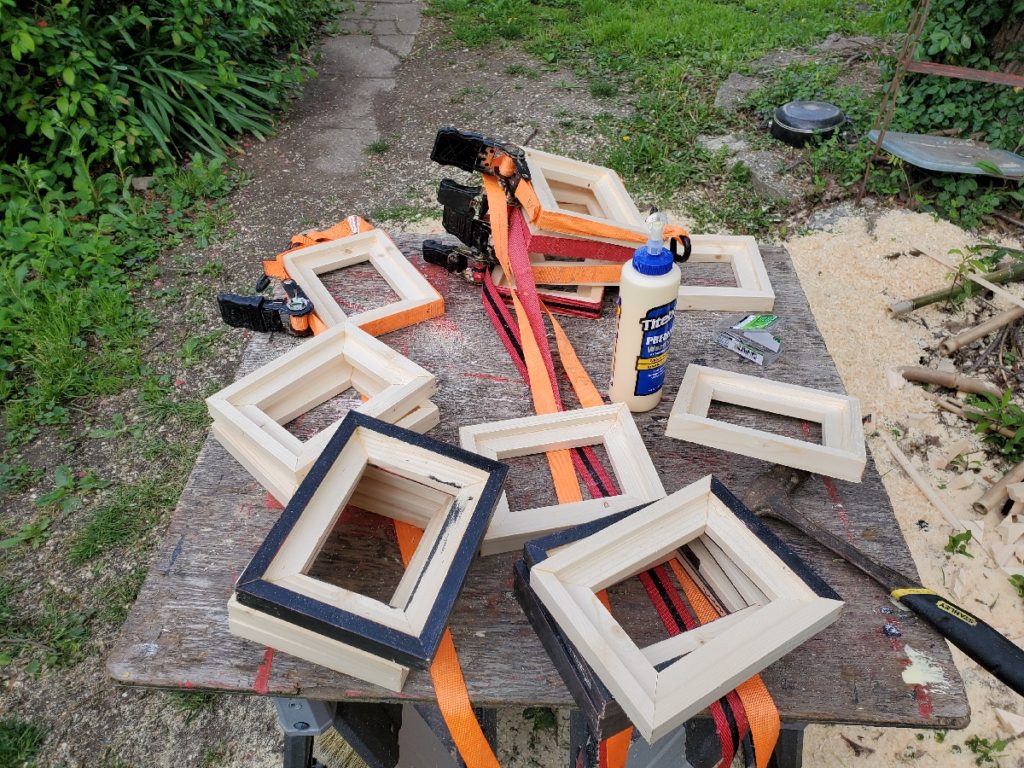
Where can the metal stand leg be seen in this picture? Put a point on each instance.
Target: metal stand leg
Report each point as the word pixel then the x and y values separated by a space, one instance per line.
pixel 298 752
pixel 789 753
pixel 372 731
pixel 301 720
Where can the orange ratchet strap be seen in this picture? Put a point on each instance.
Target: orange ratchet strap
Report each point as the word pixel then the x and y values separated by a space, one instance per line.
pixel 762 714
pixel 275 267
pixel 449 683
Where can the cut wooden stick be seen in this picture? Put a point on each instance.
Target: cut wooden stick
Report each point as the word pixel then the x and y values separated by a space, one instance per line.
pixel 965 412
pixel 949 379
pixel 983 281
pixel 1008 275
pixel 951 345
pixel 996 496
pixel 923 485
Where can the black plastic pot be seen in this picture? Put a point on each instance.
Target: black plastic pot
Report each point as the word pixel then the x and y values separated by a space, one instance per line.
pixel 797 122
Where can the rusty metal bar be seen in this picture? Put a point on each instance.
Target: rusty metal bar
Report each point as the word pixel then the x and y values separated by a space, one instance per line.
pixel 994 77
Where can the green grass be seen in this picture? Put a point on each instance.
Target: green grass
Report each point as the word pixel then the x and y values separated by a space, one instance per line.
pixel 19 742
pixel 53 636
pixel 670 57
pixel 126 518
pixel 404 213
pixel 192 705
pixel 116 598
pixel 378 147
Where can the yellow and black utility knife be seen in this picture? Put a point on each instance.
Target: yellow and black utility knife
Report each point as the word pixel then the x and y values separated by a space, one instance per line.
pixel 769 496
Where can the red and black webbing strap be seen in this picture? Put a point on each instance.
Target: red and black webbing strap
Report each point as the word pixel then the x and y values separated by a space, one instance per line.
pixel 727 713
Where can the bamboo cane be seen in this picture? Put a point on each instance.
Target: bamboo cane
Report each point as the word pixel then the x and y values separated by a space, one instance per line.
pixel 964 412
pixel 950 380
pixel 996 496
pixel 951 345
pixel 1011 274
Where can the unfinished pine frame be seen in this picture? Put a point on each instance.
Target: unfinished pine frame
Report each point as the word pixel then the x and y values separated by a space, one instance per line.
pixel 582 190
pixel 664 685
pixel 609 425
pixel 249 416
pixel 418 299
pixel 753 291
pixel 448 492
pixel 841 453
pixel 540 240
pixel 296 641
pixel 589 296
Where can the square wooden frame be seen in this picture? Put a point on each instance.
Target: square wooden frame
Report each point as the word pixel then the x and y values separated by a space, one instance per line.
pixel 753 291
pixel 539 240
pixel 585 297
pixel 449 492
pixel 608 425
pixel 249 415
pixel 603 713
pixel 297 641
pixel 418 299
pixel 658 690
pixel 564 186
pixel 842 453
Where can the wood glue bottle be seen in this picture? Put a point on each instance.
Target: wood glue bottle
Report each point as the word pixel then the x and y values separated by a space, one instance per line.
pixel 646 312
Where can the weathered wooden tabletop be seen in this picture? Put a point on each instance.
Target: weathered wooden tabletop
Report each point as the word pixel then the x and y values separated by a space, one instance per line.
pixel 177 633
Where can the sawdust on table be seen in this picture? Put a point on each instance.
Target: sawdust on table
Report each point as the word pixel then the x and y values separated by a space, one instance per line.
pixel 850 275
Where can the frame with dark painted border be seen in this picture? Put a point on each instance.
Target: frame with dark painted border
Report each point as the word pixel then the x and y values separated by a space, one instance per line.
pixel 603 714
pixel 415 650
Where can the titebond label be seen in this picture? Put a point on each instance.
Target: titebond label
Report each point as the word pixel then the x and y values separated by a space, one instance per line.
pixel 656 327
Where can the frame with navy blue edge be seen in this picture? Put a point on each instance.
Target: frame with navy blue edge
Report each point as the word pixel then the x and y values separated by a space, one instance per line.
pixel 437 463
pixel 599 707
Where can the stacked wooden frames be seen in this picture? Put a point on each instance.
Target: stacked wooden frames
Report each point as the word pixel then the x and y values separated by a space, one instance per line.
pixel 590 193
pixel 448 492
pixel 249 415
pixel 418 299
pixel 841 454
pixel 771 601
pixel 609 425
pixel 583 300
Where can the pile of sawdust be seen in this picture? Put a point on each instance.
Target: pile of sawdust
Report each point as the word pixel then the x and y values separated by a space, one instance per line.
pixel 850 275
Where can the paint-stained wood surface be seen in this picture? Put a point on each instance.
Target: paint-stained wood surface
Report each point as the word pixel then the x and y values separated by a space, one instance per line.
pixel 177 633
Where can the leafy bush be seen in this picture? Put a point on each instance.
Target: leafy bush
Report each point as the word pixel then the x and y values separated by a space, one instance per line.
pixel 129 86
pixel 94 93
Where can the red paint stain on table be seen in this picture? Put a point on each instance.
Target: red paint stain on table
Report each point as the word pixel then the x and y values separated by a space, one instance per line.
pixel 838 506
pixel 489 377
pixel 262 682
pixel 271 503
pixel 833 494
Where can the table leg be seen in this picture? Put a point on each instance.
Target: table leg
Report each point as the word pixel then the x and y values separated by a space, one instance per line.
pixel 371 730
pixel 301 720
pixel 692 745
pixel 789 752
pixel 298 752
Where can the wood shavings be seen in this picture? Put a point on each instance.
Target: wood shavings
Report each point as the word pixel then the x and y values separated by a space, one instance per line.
pixel 942 459
pixel 1010 722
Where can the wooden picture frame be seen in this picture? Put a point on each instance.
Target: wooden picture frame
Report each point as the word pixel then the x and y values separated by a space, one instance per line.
pixel 664 685
pixel 841 454
pixel 609 425
pixel 582 190
pixel 272 632
pixel 586 299
pixel 249 415
pixel 753 291
pixel 418 299
pixel 536 239
pixel 449 492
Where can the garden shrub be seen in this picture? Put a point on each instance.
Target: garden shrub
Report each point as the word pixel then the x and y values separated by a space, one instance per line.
pixel 92 93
